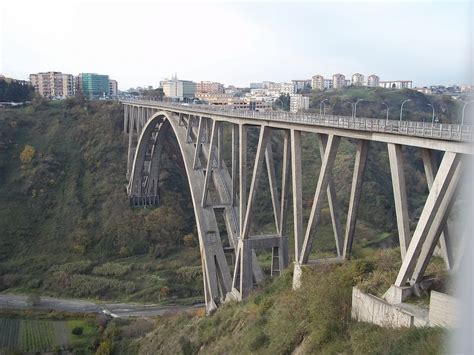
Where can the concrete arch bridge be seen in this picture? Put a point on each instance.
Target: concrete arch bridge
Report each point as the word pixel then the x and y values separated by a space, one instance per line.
pixel 225 192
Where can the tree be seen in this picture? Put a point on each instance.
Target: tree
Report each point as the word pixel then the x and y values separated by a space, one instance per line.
pixel 27 154
pixel 33 299
pixel 283 102
pixel 164 292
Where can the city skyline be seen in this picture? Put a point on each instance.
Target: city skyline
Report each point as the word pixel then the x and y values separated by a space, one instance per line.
pixel 236 44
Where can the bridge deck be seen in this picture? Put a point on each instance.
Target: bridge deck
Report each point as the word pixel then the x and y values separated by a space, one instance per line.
pixel 436 131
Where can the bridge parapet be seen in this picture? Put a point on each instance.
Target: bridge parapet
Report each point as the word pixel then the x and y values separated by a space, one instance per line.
pixel 441 131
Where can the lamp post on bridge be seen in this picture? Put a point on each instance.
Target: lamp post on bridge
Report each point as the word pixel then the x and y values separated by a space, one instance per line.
pixel 321 104
pixel 401 108
pixel 355 107
pixel 464 110
pixel 383 103
pixel 433 116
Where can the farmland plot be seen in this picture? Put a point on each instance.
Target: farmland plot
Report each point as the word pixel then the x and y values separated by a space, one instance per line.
pixel 9 330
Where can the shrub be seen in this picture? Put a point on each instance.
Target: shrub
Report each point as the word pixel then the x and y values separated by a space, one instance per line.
pixel 259 341
pixel 77 331
pixel 33 299
pixel 112 269
pixel 27 154
pixel 189 240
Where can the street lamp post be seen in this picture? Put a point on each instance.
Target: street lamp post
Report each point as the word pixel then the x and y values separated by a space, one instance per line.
pixel 383 103
pixel 432 117
pixel 401 108
pixel 463 111
pixel 355 107
pixel 321 104
pixel 352 107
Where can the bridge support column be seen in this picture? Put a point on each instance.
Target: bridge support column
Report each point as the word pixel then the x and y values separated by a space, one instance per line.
pixel 235 158
pixel 323 181
pixel 332 200
pixel 125 117
pixel 430 224
pixel 356 193
pixel 199 140
pixel 131 128
pixel 400 195
pixel 444 248
pixel 270 163
pixel 285 184
pixel 297 203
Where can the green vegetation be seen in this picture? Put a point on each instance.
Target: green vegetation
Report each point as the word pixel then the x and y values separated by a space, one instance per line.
pixel 313 320
pixel 447 110
pixel 15 91
pixel 62 193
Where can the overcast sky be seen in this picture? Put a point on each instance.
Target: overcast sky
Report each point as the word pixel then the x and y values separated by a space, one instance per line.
pixel 140 44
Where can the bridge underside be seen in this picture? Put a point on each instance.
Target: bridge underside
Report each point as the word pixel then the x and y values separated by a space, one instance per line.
pixel 228 193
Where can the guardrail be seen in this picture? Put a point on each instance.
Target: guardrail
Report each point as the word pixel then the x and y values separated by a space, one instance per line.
pixel 442 131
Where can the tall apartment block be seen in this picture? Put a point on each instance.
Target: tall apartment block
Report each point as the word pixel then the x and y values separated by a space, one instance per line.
pixel 373 80
pixel 317 82
pixel 338 81
pixel 357 79
pixel 298 103
pixel 113 88
pixel 53 85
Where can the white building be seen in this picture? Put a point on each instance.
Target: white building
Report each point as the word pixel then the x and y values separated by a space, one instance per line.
pixel 396 84
pixel 357 79
pixel 317 82
pixel 328 84
pixel 113 88
pixel 178 89
pixel 339 81
pixel 298 103
pixel 301 84
pixel 287 88
pixel 373 80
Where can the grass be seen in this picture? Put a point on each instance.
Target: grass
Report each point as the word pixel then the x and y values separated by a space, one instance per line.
pixel 88 336
pixel 314 319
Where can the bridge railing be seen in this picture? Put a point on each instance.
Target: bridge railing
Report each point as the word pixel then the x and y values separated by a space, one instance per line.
pixel 444 131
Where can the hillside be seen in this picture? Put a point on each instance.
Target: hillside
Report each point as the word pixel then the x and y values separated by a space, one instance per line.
pixel 67 228
pixel 277 320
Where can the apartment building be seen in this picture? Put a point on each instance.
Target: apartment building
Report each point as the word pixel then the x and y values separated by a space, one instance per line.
pixel 317 82
pixel 113 88
pixel 357 79
pixel 209 87
pixel 301 84
pixel 298 103
pixel 339 81
pixel 288 88
pixel 328 84
pixel 53 85
pixel 373 80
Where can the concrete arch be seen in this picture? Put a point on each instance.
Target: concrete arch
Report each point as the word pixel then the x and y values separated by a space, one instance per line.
pixel 216 273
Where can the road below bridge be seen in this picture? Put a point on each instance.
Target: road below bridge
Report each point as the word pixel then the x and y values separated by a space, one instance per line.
pixel 116 310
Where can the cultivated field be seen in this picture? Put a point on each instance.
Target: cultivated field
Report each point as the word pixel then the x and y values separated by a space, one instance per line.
pixel 34 335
